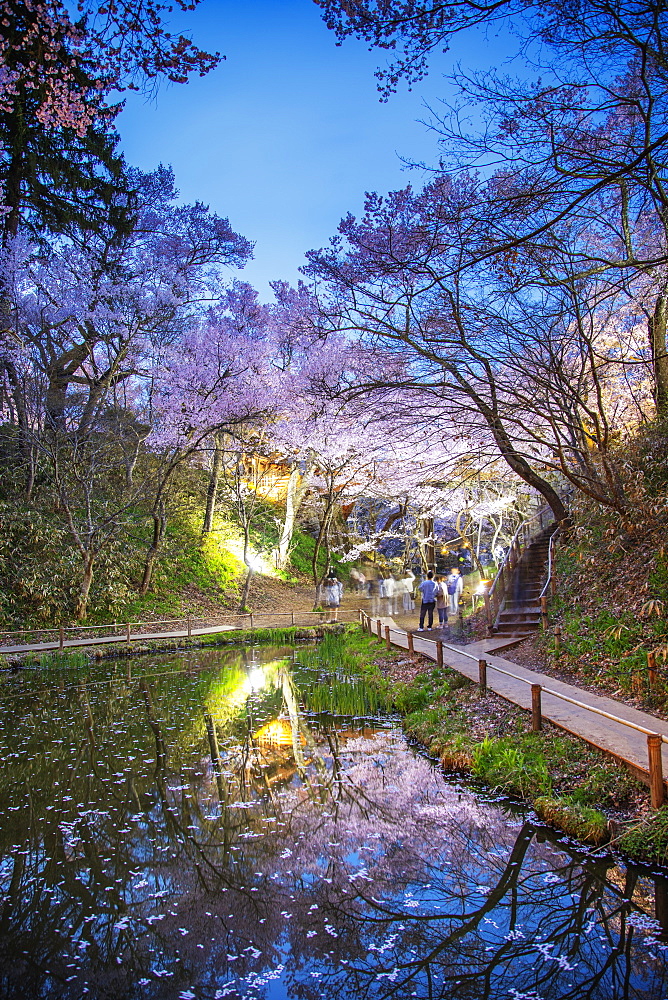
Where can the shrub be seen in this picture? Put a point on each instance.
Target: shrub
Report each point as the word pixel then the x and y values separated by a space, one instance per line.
pixel 503 765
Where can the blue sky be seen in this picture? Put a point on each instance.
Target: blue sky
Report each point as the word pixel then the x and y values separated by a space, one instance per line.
pixel 288 133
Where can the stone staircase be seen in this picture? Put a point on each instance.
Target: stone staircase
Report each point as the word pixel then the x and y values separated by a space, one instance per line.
pixel 519 615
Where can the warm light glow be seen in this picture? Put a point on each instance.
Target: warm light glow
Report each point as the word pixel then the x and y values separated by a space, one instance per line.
pixel 277 733
pixel 483 587
pixel 258 563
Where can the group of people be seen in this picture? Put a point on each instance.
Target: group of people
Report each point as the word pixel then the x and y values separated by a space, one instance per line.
pixel 388 594
pixel 440 594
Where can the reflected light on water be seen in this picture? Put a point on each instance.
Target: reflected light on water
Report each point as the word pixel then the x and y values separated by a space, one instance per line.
pixel 212 833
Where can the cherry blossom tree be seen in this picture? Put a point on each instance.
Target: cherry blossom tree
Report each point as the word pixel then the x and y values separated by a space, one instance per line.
pixel 113 351
pixel 60 71
pixel 551 363
pixel 579 136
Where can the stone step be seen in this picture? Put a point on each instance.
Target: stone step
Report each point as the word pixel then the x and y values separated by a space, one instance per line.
pixel 508 628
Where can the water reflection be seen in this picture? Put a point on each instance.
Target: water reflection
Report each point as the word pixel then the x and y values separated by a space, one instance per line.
pixel 205 829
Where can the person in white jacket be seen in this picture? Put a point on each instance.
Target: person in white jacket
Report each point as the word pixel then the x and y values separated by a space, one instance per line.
pixel 333 595
pixel 405 588
pixel 454 586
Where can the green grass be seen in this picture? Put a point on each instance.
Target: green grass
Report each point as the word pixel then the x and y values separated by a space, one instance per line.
pixel 503 765
pixel 186 562
pixel 301 557
pixel 581 822
pixel 648 840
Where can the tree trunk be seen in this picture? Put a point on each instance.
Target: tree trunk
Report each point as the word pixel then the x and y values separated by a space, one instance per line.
pixel 520 466
pixel 159 523
pixel 657 338
pixel 82 600
pixel 322 538
pixel 243 600
pixel 297 487
pixel 212 491
pixel 17 395
pixel 249 569
pixel 428 547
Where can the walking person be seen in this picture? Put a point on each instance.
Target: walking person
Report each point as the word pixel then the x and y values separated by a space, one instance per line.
pixel 374 594
pixel 389 592
pixel 405 586
pixel 333 594
pixel 428 590
pixel 442 602
pixel 454 585
pixel 359 579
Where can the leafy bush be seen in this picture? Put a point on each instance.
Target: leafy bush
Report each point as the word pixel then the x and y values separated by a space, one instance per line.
pixel 501 764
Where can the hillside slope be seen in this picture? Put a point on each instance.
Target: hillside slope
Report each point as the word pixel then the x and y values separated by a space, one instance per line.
pixel 612 589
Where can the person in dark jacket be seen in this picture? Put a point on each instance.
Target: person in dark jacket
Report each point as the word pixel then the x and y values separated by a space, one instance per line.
pixel 428 589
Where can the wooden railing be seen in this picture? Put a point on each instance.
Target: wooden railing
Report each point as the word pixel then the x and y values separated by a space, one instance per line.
pixel 527 531
pixel 75 636
pixel 654 739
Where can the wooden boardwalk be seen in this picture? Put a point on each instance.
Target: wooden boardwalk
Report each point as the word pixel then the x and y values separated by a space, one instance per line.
pixel 627 736
pixel 72 638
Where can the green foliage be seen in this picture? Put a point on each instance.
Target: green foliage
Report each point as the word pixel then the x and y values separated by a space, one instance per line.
pixel 301 557
pixel 344 680
pixel 648 841
pixel 40 570
pixel 411 698
pixel 502 764
pixel 613 579
pixel 584 823
pixel 607 785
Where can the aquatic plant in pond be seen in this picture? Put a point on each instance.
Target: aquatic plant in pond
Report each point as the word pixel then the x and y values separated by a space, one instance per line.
pixel 202 828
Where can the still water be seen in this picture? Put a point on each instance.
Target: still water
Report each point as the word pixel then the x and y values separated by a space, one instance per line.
pixel 246 824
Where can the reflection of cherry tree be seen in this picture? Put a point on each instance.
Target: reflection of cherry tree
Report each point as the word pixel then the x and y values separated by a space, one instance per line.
pixel 176 867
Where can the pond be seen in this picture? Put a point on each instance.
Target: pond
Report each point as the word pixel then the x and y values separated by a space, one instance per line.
pixel 244 823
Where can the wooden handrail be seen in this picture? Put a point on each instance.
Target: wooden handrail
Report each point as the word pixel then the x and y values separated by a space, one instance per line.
pixel 549 563
pixel 518 544
pixel 189 623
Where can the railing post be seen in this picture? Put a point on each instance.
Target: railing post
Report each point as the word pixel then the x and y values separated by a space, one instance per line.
pixel 127 633
pixel 411 642
pixel 439 653
pixel 61 638
pixel 557 638
pixel 251 620
pixel 651 667
pixel 293 618
pixel 482 676
pixel 488 611
pixel 190 627
pixel 536 708
pixel 378 628
pixel 654 742
pixel 543 612
pixel 387 637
